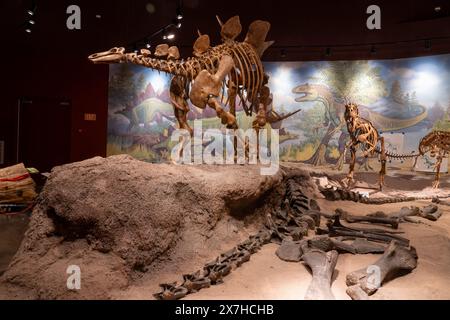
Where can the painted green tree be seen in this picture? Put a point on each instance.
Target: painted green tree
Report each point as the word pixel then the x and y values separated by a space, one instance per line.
pixel 121 84
pixel 444 123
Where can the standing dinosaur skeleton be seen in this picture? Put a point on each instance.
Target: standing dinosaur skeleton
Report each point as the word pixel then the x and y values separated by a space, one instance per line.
pixel 234 67
pixel 438 144
pixel 362 133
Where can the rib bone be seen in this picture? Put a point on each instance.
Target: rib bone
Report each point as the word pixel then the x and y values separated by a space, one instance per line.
pixel 392 221
pixel 336 229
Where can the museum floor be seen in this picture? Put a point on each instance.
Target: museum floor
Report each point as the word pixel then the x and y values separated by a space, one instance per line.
pixel 265 276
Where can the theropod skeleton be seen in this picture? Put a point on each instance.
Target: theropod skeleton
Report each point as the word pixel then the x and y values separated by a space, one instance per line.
pixel 437 143
pixel 214 76
pixel 363 133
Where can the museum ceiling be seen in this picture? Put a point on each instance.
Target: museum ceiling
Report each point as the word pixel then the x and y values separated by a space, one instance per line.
pixel 301 28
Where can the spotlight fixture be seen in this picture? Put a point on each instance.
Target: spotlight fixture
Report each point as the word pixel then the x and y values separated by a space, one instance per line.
pixel 176 23
pixel 28 30
pixel 30 12
pixel 170 36
pixel 179 14
pixel 31 22
pixel 437 9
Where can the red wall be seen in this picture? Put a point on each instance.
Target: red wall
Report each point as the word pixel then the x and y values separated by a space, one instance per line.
pixel 31 74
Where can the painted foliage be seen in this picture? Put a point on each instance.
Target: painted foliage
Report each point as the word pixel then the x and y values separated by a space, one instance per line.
pixel 404 98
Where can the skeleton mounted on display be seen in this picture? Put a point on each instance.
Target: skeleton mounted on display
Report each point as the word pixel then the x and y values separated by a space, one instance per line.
pixel 214 76
pixel 364 134
pixel 437 143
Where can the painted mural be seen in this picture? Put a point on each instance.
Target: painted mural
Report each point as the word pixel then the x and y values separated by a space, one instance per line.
pixel 404 98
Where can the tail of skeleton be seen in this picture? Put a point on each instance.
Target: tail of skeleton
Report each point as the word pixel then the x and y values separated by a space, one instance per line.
pixel 398 156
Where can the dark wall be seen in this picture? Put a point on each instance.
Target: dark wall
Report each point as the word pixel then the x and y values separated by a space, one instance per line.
pixel 34 75
pixel 51 62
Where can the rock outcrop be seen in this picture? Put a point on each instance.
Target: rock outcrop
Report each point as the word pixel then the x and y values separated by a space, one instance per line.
pixel 118 216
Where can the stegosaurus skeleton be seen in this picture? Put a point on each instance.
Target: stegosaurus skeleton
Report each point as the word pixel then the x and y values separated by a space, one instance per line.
pixel 233 66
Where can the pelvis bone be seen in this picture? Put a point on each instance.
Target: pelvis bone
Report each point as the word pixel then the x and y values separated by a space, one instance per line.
pixel 207 85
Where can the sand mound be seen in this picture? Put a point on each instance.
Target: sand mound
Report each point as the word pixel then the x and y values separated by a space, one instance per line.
pixel 118 217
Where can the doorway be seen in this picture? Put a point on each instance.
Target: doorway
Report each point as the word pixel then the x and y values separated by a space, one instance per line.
pixel 44 126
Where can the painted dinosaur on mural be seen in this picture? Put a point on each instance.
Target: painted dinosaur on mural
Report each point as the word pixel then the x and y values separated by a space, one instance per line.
pixel 334 115
pixel 214 76
pixel 150 110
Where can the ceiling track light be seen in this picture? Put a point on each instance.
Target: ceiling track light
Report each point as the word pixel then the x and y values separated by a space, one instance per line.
pixel 148 45
pixel 32 22
pixel 176 23
pixel 32 11
pixel 179 13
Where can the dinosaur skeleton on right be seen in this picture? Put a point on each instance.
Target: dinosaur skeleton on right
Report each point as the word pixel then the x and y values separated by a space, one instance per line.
pixel 363 133
pixel 437 143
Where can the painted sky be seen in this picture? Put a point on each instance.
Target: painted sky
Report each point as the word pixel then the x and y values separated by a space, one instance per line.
pixel 428 77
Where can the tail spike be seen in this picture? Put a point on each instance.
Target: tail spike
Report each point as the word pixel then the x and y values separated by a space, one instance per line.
pixel 219 21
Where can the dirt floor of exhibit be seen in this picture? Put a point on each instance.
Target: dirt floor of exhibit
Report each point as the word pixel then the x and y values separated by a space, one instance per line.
pixel 206 211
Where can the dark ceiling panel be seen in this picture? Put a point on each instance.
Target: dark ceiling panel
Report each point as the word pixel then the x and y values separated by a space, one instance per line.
pixel 297 26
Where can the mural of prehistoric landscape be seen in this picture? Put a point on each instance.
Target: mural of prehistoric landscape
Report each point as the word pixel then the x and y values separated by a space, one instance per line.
pixel 404 98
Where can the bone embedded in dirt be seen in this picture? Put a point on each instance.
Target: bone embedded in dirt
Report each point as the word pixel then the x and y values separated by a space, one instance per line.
pixel 396 259
pixel 290 251
pixel 322 265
